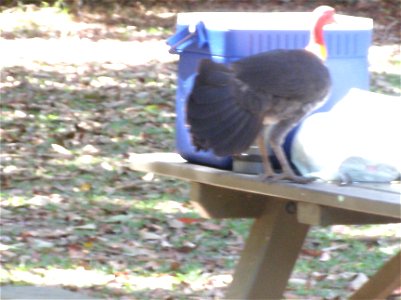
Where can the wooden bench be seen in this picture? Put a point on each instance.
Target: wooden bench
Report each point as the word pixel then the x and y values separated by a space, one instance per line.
pixel 283 214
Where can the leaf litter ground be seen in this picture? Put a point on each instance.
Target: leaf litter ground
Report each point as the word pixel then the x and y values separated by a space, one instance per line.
pixel 75 105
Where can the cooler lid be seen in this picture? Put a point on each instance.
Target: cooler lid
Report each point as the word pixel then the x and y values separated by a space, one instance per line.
pixel 232 33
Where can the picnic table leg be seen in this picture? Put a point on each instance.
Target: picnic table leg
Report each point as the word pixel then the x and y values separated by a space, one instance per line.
pixel 386 280
pixel 269 255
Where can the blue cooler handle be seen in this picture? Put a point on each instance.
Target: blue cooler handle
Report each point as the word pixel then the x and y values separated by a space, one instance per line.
pixel 187 36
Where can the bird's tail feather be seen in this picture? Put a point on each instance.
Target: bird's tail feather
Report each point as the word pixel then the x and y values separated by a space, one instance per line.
pixel 202 111
pixel 216 118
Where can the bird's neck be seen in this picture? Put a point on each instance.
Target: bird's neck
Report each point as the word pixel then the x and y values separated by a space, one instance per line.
pixel 316 41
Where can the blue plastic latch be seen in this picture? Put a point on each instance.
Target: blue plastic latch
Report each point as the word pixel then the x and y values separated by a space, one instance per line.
pixel 187 36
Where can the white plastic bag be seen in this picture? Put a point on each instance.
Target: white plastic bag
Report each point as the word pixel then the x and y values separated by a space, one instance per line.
pixel 359 139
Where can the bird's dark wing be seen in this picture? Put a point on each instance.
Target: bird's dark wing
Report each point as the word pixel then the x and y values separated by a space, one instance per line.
pixel 216 119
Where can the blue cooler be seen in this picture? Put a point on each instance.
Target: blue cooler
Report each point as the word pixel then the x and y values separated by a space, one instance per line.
pixel 228 36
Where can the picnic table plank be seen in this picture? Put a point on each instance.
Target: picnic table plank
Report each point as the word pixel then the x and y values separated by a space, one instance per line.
pixel 359 197
pixel 314 214
pixel 217 202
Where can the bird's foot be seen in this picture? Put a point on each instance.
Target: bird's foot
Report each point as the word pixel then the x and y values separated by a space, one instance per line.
pixel 296 178
pixel 268 177
pixel 286 176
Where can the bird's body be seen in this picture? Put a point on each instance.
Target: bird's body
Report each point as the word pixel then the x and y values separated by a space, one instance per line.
pixel 229 105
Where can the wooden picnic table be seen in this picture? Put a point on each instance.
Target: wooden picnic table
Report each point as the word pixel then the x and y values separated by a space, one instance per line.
pixel 283 214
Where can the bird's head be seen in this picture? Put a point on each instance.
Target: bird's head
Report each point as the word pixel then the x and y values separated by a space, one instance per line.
pixel 325 14
pixel 322 15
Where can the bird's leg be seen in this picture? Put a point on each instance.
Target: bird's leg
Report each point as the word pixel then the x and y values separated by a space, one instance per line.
pixel 276 141
pixel 269 173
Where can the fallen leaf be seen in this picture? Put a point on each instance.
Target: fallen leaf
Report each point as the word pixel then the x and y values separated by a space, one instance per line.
pixel 146 235
pixel 75 251
pixel 7 255
pixel 10 169
pixel 210 226
pixel 166 244
pixel 325 256
pixel 26 234
pixel 88 245
pixel 37 243
pixel 130 251
pixel 90 149
pixel 129 186
pixel 89 226
pixel 347 275
pixel 61 150
pixel 175 266
pixel 152 265
pixel 358 281
pixel 71 216
pixel 85 187
pixel 50 233
pixel 173 223
pixel 154 227
pixel 20 114
pixel 107 166
pixel 336 247
pixel 186 247
pixel 318 276
pixel 4 247
pixel 89 125
pixel 189 220
pixel 107 229
pixel 148 177
pixel 311 252
pixel 118 219
pixel 298 281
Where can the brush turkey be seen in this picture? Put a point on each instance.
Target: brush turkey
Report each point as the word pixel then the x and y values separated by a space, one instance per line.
pixel 229 105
